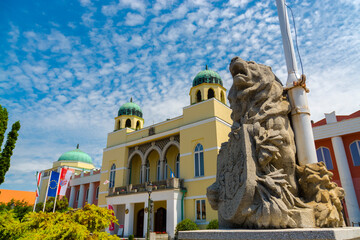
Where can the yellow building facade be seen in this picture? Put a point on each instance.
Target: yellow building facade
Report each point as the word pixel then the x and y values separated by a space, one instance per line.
pixel 176 159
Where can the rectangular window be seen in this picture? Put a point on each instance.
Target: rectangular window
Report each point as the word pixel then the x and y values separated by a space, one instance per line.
pixel 87 195
pixel 200 210
pixel 77 195
pixel 97 193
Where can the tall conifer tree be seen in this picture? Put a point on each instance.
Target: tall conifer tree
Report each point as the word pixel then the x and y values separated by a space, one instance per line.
pixel 7 152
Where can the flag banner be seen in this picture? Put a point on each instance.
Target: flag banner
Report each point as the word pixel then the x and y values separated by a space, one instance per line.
pixel 172 175
pixel 64 181
pixel 38 178
pixel 112 225
pixel 106 182
pixel 53 184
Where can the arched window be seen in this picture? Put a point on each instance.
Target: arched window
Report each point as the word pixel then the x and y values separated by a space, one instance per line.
pixel 118 125
pixel 323 155
pixel 112 176
pixel 198 96
pixel 211 93
pixel 355 152
pixel 158 170
pixel 199 160
pixel 137 125
pixel 222 97
pixel 128 123
pixel 177 166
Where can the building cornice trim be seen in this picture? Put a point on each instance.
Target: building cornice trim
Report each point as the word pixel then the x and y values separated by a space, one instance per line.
pixel 337 129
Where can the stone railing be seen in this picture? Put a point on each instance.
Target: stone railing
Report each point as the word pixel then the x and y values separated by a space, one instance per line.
pixel 172 183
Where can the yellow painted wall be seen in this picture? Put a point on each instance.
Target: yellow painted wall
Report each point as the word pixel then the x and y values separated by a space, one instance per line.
pixel 159 204
pixel 135 169
pixel 153 159
pixel 204 89
pixel 171 154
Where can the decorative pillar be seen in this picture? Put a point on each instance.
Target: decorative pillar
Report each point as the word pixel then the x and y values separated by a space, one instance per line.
pixel 161 169
pixel 344 173
pixel 146 217
pixel 81 196
pixel 129 219
pixel 91 193
pixel 143 173
pixel 72 197
pixel 173 214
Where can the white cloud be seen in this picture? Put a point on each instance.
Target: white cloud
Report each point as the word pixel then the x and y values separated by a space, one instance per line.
pixel 132 19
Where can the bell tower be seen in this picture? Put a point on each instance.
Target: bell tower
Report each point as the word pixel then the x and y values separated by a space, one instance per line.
pixel 129 116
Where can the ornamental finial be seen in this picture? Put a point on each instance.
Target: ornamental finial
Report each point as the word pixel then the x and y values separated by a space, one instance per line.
pixel 206 67
pixel 131 99
pixel 77 146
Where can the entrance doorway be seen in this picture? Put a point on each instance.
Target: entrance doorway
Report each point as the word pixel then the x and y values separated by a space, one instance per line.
pixel 160 220
pixel 140 224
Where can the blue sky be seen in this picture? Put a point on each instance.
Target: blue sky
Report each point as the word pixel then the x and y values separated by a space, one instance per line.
pixel 66 66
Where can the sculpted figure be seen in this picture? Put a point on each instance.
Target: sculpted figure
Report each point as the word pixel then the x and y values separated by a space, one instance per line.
pixel 256 183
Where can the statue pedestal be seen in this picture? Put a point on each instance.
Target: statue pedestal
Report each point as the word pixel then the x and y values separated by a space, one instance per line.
pixel 346 233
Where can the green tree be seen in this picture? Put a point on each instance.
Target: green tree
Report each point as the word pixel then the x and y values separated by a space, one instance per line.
pixel 7 152
pixel 185 225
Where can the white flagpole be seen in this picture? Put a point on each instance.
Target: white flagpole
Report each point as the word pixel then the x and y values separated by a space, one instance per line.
pixel 37 186
pixel 47 189
pixel 57 189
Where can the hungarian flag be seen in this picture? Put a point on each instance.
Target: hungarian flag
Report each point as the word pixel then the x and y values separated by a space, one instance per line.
pixel 53 184
pixel 65 176
pixel 38 178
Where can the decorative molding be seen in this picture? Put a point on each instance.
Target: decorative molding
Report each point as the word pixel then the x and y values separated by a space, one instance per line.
pixel 213 148
pixel 170 132
pixel 199 178
pixel 337 129
pixel 185 154
pixel 103 192
pixel 104 171
pixel 195 197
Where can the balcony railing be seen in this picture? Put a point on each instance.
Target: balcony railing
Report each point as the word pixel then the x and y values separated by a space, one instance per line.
pixel 173 183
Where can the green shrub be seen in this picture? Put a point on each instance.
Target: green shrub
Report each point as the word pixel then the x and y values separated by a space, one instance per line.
pixel 213 224
pixel 131 237
pixel 186 225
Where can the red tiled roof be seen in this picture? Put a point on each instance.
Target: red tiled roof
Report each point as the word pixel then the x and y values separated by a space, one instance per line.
pixel 7 195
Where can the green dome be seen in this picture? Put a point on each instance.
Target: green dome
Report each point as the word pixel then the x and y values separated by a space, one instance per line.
pixel 207 76
pixel 130 108
pixel 76 156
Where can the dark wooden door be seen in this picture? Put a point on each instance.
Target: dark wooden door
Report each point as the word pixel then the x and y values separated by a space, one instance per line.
pixel 160 220
pixel 140 224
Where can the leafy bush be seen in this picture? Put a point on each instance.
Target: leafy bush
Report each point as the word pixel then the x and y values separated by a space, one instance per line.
pixel 87 223
pixel 131 237
pixel 20 208
pixel 186 225
pixel 61 205
pixel 213 224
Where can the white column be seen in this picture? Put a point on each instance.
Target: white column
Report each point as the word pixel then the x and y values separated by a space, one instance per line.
pixel 129 220
pixel 91 193
pixel 344 173
pixel 146 217
pixel 81 196
pixel 72 197
pixel 173 214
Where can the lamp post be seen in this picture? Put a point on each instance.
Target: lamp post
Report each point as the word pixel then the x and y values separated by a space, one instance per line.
pixel 149 190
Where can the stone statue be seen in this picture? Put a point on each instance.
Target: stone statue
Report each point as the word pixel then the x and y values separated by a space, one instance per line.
pixel 257 183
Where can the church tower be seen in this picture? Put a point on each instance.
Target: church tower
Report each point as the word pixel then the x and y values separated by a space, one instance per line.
pixel 207 84
pixel 129 116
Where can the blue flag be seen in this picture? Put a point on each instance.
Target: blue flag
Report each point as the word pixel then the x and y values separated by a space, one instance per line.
pixel 53 184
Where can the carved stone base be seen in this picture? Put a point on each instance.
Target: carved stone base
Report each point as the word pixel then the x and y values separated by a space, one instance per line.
pixel 347 233
pixel 304 217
